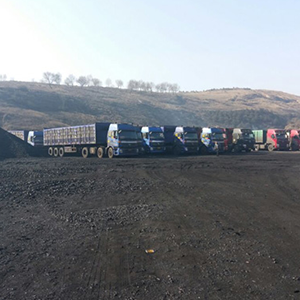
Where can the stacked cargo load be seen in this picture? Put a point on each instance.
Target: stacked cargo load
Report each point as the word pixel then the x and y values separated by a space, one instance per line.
pixel 92 139
pixel 21 134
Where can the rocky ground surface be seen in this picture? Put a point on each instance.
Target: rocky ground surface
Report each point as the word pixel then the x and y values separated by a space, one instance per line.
pixel 222 227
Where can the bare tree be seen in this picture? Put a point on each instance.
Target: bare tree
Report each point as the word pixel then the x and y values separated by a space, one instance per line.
pixel 82 81
pixel 176 88
pixel 57 78
pixel 108 82
pixel 47 78
pixel 51 78
pixel 141 85
pixel 150 86
pixel 119 83
pixel 133 85
pixel 96 82
pixel 158 87
pixel 89 79
pixel 70 80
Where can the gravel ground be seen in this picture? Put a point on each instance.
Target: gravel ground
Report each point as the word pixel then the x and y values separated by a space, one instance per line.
pixel 223 227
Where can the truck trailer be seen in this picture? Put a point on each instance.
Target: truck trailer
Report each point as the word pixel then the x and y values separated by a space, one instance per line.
pixel 271 139
pixel 98 139
pixel 153 139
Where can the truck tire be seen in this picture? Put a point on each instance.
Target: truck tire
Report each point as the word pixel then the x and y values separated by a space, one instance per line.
pixel 61 151
pixel 85 152
pixel 55 152
pixel 50 151
pixel 100 152
pixel 270 147
pixel 110 153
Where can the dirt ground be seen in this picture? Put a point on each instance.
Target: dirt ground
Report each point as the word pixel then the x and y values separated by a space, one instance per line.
pixel 223 227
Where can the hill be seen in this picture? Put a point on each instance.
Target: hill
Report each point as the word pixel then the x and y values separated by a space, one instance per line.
pixel 25 105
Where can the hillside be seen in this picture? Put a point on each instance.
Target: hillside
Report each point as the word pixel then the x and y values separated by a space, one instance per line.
pixel 25 105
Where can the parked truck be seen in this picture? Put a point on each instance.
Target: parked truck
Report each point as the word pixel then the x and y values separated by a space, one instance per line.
pixel 213 139
pixel 271 139
pixel 98 139
pixel 293 138
pixel 168 131
pixel 242 140
pixel 153 139
pixel 185 140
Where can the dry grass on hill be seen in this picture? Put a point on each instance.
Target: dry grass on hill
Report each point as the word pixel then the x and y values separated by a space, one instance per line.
pixel 36 105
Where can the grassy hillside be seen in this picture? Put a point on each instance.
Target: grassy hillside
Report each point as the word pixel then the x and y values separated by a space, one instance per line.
pixel 26 105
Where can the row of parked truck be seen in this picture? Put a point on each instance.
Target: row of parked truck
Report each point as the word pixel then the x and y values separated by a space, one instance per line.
pixel 112 139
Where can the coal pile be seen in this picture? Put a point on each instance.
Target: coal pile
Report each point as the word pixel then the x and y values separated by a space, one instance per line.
pixel 13 147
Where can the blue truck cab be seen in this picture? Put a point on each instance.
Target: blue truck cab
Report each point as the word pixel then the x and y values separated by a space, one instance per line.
pixel 122 140
pixel 168 131
pixel 213 139
pixel 185 140
pixel 153 139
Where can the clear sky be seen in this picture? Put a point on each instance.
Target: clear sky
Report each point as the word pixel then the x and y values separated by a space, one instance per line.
pixel 195 43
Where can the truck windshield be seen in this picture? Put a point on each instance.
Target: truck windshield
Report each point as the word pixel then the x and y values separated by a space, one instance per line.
pixel 127 135
pixel 190 136
pixel 139 135
pixel 280 134
pixel 157 136
pixel 248 135
pixel 217 136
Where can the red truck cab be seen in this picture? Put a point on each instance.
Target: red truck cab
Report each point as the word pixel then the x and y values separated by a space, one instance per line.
pixel 294 139
pixel 278 139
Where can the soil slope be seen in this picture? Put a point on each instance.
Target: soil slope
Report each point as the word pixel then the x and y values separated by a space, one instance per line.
pixel 13 147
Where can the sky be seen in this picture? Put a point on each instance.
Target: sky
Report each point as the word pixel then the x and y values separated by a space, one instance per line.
pixel 197 44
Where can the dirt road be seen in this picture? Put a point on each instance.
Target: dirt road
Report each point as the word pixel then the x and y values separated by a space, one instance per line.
pixel 222 227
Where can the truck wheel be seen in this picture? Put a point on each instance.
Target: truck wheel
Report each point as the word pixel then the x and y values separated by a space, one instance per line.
pixel 110 153
pixel 100 152
pixel 55 152
pixel 270 147
pixel 85 152
pixel 50 151
pixel 61 151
